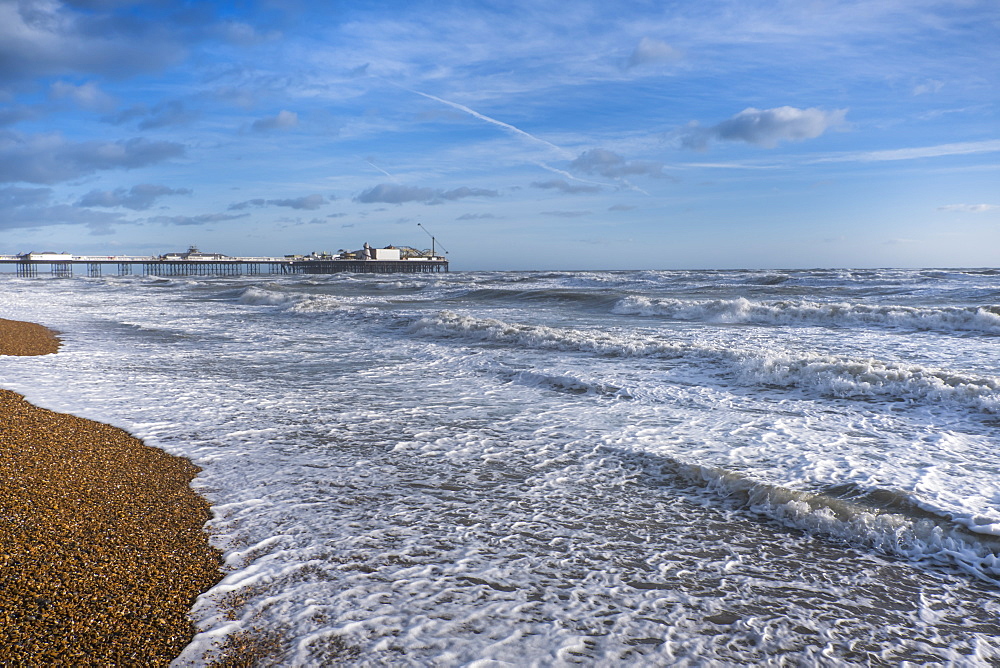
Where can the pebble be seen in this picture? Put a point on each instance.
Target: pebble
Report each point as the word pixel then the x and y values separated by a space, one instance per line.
pixel 102 542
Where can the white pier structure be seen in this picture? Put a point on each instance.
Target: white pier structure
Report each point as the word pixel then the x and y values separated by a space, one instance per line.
pixel 368 260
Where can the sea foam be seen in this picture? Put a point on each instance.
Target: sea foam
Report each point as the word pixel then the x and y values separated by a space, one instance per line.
pixel 982 319
pixel 838 376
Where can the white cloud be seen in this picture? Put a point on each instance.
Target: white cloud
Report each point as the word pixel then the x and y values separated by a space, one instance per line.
pixel 968 208
pixel 87 95
pixel 32 208
pixel 932 86
pixel 46 37
pixel 13 196
pixel 285 119
pixel 559 184
pixel 767 127
pixel 204 219
pixel 137 198
pixel 940 150
pixel 309 202
pixel 463 192
pixel 11 114
pixel 49 158
pixel 240 206
pixel 164 114
pixel 651 51
pixel 611 165
pixel 390 193
pixel 566 214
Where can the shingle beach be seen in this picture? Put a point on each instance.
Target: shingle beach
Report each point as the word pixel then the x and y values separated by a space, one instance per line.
pixel 102 542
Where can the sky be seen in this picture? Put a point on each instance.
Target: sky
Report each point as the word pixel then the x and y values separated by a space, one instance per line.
pixel 521 135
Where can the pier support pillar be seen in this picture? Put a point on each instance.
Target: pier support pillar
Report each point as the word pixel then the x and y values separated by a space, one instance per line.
pixel 61 269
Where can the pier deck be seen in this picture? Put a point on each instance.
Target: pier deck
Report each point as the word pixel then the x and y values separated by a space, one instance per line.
pixel 225 266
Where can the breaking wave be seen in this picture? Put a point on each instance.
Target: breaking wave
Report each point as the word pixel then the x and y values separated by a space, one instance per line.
pixel 984 319
pixel 843 377
pixel 253 296
pixel 560 382
pixel 447 324
pixel 563 295
pixel 889 521
pixel 830 375
pixel 300 303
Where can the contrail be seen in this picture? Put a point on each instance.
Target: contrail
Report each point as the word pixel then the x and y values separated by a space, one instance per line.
pixel 380 169
pixel 562 172
pixel 507 126
pixel 483 117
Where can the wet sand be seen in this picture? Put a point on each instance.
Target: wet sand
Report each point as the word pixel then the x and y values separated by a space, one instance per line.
pixel 102 546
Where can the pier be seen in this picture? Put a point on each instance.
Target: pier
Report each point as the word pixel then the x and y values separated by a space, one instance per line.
pixel 196 263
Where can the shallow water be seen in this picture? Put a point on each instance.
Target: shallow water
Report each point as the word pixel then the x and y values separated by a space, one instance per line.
pixel 555 468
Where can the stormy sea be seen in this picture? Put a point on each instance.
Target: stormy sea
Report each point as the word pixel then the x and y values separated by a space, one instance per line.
pixel 564 468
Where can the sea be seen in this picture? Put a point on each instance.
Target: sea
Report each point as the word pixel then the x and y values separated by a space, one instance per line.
pixel 555 468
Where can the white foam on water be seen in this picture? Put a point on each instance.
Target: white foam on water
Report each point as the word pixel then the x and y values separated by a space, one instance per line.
pixel 397 484
pixel 985 319
pixel 837 376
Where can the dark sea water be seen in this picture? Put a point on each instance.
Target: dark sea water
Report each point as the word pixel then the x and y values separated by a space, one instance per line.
pixel 683 468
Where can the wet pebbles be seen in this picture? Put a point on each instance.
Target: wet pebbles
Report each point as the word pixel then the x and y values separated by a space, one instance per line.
pixel 102 545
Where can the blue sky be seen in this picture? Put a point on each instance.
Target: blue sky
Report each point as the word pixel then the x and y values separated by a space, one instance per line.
pixel 524 135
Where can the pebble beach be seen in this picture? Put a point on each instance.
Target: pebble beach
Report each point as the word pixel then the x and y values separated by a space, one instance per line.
pixel 102 542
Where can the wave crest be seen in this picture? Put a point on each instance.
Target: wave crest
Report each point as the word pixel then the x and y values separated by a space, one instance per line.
pixel 837 376
pixel 254 296
pixel 984 319
pixel 889 521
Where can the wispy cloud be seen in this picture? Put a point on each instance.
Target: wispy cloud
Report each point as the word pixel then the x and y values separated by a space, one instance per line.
pixel 308 203
pixel 574 177
pixel 15 113
pixel 559 184
pixel 476 216
pixel 284 120
pixel 87 95
pixel 651 51
pixel 940 150
pixel 161 115
pixel 50 158
pixel 53 38
pixel 968 208
pixel 33 208
pixel 391 193
pixel 566 214
pixel 931 86
pixel 203 219
pixel 137 198
pixel 611 165
pixel 15 196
